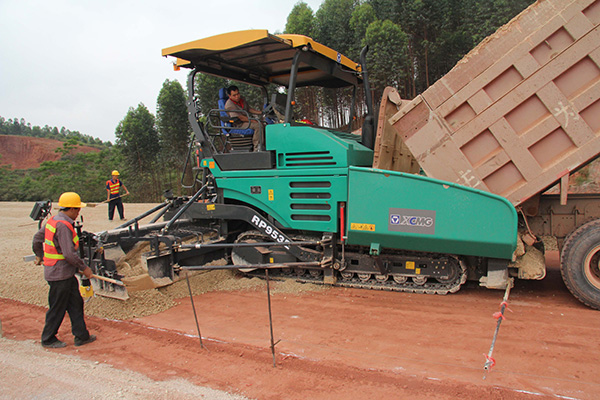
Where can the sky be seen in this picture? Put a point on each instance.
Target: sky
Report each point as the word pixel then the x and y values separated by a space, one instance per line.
pixel 82 64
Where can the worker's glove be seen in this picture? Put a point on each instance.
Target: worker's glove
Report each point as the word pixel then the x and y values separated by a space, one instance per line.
pixel 87 273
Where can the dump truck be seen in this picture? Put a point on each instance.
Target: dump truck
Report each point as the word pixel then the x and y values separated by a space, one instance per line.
pixel 516 116
pixel 433 192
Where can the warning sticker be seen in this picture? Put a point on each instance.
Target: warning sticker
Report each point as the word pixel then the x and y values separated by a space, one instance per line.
pixel 362 227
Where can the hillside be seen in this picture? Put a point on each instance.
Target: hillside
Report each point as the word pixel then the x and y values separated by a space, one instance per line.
pixel 24 152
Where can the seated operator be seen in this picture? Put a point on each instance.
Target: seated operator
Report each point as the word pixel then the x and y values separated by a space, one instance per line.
pixel 237 102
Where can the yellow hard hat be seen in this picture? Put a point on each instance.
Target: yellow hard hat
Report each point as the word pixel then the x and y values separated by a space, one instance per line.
pixel 115 172
pixel 70 200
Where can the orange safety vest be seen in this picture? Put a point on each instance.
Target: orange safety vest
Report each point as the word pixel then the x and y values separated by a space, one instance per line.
pixel 113 186
pixel 51 255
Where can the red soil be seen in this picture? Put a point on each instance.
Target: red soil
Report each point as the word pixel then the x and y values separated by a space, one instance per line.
pixel 24 152
pixel 355 344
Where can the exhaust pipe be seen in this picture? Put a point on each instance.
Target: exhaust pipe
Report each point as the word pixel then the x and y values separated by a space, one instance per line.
pixel 369 126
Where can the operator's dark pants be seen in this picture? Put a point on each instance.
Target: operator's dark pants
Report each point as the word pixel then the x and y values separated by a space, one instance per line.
pixel 118 202
pixel 63 297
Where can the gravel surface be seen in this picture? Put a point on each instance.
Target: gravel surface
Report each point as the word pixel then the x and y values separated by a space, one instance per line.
pixel 45 374
pixel 331 343
pixel 24 281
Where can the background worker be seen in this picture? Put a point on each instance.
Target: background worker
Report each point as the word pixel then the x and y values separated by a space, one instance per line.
pixel 113 187
pixel 237 102
pixel 56 244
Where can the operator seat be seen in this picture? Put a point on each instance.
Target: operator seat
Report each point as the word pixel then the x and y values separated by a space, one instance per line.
pixel 240 139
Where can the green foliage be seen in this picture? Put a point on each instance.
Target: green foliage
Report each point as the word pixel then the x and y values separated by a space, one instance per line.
pixel 207 92
pixel 332 24
pixel 300 21
pixel 174 133
pixel 387 61
pixel 84 173
pixel 69 145
pixel 137 139
pixel 489 15
pixel 20 127
pixel 138 142
pixel 362 17
pixel 172 122
pixel 413 43
pixel 387 9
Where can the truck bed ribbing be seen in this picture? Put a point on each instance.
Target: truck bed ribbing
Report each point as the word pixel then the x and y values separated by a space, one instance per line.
pixel 517 113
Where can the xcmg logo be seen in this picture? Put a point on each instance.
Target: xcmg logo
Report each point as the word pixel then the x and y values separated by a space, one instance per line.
pixel 411 220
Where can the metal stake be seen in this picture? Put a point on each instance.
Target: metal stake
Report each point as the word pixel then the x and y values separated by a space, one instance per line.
pixel 489 363
pixel 187 277
pixel 270 317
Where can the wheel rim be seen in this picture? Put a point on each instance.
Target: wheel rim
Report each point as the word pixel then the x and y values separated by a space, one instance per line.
pixel 347 275
pixel 315 273
pixel 419 280
pixel 592 267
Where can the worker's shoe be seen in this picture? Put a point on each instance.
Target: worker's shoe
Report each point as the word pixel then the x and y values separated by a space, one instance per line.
pixel 79 342
pixel 57 344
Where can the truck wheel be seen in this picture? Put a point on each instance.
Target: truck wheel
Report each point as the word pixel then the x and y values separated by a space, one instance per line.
pixel 580 263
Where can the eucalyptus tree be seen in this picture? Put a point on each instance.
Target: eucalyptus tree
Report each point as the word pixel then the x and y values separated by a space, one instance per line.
pixel 137 140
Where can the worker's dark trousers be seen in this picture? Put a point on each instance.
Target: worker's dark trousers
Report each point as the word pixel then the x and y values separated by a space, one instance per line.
pixel 111 208
pixel 64 296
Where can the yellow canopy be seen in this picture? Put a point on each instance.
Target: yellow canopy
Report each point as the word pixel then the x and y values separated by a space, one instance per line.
pixel 257 57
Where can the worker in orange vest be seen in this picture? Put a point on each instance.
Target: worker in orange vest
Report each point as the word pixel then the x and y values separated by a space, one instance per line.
pixel 56 245
pixel 113 186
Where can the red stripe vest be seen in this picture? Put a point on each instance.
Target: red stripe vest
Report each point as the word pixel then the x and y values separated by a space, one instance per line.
pixel 51 255
pixel 113 186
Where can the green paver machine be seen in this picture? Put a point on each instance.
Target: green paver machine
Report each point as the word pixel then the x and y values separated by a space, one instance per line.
pixel 310 203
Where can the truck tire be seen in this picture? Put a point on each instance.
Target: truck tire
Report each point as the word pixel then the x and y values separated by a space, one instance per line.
pixel 580 263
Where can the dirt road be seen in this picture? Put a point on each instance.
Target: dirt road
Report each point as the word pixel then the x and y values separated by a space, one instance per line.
pixel 334 343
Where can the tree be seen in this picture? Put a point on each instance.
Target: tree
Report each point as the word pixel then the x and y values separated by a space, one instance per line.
pixel 332 24
pixel 387 9
pixel 138 141
pixel 172 123
pixel 67 147
pixel 489 15
pixel 207 92
pixel 173 130
pixel 137 138
pixel 362 17
pixel 20 127
pixel 300 20
pixel 388 58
